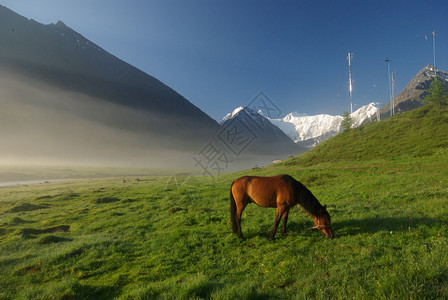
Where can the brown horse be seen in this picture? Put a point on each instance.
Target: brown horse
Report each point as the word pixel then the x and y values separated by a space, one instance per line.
pixel 282 192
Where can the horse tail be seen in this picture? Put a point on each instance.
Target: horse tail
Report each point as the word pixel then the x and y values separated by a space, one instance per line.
pixel 233 211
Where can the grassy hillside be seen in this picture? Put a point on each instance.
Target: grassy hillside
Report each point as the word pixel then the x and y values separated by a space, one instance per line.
pixel 163 237
pixel 417 133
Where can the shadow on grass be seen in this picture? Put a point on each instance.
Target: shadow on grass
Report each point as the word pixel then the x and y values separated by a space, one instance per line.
pixel 23 207
pixel 203 290
pixel 82 291
pixel 372 225
pixel 344 228
pixel 52 239
pixel 17 220
pixel 265 229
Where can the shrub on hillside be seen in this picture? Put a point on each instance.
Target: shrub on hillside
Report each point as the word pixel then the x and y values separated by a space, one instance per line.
pixel 437 93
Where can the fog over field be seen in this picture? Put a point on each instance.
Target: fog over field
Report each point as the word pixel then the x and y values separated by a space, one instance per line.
pixel 67 101
pixel 41 124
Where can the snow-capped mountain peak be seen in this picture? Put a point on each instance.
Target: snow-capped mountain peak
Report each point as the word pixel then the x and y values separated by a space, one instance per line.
pixel 293 115
pixel 312 130
pixel 307 130
pixel 300 128
pixel 247 110
pixel 231 115
pixel 364 113
pixel 246 124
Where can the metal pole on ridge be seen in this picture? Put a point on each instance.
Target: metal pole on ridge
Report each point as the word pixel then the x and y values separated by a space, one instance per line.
pixel 434 49
pixel 390 86
pixel 349 57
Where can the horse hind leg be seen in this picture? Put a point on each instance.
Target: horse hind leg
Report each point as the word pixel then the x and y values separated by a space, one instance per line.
pixel 240 206
pixel 238 202
pixel 285 220
pixel 239 212
pixel 233 212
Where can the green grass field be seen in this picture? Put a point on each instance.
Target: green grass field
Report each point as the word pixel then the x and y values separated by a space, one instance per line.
pixel 152 237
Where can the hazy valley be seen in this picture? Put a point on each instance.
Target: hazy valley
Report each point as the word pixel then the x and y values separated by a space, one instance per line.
pixel 143 210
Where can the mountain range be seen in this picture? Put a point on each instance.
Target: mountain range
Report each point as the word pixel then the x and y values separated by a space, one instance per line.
pixel 267 137
pixel 308 131
pixel 66 100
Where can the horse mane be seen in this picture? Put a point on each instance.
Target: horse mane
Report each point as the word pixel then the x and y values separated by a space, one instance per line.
pixel 304 197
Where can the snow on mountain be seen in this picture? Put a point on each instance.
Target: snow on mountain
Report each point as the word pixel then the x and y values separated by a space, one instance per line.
pixel 231 115
pixel 308 131
pixel 365 114
pixel 245 124
pixel 300 128
pixel 249 116
pixel 311 130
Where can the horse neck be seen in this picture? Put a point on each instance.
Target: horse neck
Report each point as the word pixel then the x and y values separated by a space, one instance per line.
pixel 309 202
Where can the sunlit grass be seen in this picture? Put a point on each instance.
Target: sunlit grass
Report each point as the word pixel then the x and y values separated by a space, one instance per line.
pixel 150 238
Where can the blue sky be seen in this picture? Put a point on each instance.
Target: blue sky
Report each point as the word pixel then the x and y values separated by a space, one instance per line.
pixel 221 54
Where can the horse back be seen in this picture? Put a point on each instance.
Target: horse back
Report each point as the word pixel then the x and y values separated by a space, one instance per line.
pixel 265 191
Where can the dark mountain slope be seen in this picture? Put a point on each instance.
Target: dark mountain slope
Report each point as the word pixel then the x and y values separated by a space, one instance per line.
pixel 56 54
pixel 266 138
pixel 54 67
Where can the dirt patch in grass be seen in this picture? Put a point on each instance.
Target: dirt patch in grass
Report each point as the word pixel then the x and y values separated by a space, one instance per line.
pixel 24 270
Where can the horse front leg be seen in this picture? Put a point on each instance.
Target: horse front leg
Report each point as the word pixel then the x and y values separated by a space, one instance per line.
pixel 278 217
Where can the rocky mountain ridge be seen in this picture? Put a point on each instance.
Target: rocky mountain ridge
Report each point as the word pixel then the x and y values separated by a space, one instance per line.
pixel 411 97
pixel 266 137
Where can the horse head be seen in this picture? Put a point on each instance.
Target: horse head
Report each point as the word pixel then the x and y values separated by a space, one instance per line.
pixel 323 222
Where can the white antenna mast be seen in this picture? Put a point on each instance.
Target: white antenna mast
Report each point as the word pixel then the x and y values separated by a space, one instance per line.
pixel 434 49
pixel 393 93
pixel 349 57
pixel 390 87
